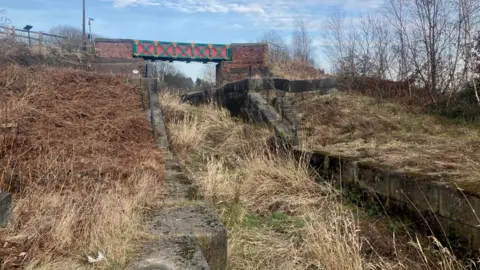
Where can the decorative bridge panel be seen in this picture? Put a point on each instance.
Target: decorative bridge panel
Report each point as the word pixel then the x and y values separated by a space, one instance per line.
pixel 181 51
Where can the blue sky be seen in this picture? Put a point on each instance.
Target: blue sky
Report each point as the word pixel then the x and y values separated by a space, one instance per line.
pixel 201 21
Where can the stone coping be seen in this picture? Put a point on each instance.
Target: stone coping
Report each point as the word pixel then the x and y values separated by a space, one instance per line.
pixel 5 208
pixel 189 233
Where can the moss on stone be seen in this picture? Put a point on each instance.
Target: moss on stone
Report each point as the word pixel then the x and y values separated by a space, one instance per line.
pixel 187 252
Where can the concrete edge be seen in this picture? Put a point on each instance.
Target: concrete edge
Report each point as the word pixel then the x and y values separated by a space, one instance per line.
pixel 185 222
pixel 446 209
pixel 5 208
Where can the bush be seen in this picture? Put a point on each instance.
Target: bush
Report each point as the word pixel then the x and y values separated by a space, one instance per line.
pixel 463 106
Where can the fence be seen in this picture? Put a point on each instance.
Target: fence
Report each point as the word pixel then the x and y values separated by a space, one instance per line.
pixel 41 40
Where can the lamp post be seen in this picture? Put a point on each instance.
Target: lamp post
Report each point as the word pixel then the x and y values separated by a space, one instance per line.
pixel 83 21
pixel 27 28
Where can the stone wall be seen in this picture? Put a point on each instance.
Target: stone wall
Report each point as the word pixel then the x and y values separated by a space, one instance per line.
pixel 438 207
pixel 296 86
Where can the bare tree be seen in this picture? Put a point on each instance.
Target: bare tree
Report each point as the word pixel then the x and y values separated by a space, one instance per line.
pixel 428 42
pixel 209 73
pixel 302 43
pixel 469 16
pixel 72 34
pixel 162 69
pixel 4 21
pixel 277 48
pixel 338 49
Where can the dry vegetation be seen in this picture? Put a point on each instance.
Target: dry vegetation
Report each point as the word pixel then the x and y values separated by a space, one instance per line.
pixel 13 51
pixel 276 215
pixel 389 134
pixel 81 165
pixel 292 70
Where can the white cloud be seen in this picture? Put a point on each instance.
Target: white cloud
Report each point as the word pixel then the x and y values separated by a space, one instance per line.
pixel 279 14
pixel 238 26
pixel 126 3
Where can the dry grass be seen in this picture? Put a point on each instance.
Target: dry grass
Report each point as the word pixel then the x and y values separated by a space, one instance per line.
pixel 389 134
pixel 277 216
pixel 13 51
pixel 81 166
pixel 297 71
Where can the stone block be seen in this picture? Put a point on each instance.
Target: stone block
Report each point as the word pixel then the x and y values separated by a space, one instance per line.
pixel 199 220
pixel 475 238
pixel 301 85
pixel 458 206
pixel 395 181
pixel 323 84
pixel 333 167
pixel 373 178
pixel 349 171
pixel 5 208
pixel 281 84
pixel 171 253
pixel 319 161
pixel 417 193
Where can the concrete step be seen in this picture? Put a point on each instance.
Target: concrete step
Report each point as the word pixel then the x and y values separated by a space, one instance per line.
pixel 190 233
pixel 171 253
pixel 198 220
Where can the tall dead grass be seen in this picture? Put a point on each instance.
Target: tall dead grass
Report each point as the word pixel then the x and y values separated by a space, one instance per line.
pixel 390 134
pixel 81 166
pixel 278 217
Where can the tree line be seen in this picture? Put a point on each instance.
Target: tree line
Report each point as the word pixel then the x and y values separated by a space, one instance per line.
pixel 301 49
pixel 427 43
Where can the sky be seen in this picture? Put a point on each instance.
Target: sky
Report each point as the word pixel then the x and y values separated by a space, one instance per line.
pixel 199 21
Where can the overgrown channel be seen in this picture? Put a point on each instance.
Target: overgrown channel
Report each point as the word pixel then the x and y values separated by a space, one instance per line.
pixel 278 216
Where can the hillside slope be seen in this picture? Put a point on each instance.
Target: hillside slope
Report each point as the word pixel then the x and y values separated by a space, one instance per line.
pixel 77 154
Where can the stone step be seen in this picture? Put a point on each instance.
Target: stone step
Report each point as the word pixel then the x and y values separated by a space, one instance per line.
pixel 171 253
pixel 190 233
pixel 198 220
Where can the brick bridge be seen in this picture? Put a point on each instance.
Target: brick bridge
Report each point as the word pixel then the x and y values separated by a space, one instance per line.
pixel 234 61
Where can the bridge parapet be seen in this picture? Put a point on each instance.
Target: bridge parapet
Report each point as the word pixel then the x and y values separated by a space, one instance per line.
pixel 235 61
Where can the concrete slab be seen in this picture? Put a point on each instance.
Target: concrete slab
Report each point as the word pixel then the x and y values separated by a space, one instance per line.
pixel 200 220
pixel 5 208
pixel 171 253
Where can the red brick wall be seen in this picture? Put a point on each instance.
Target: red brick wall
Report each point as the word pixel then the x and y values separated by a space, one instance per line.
pixel 121 69
pixel 115 56
pixel 243 56
pixel 114 48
